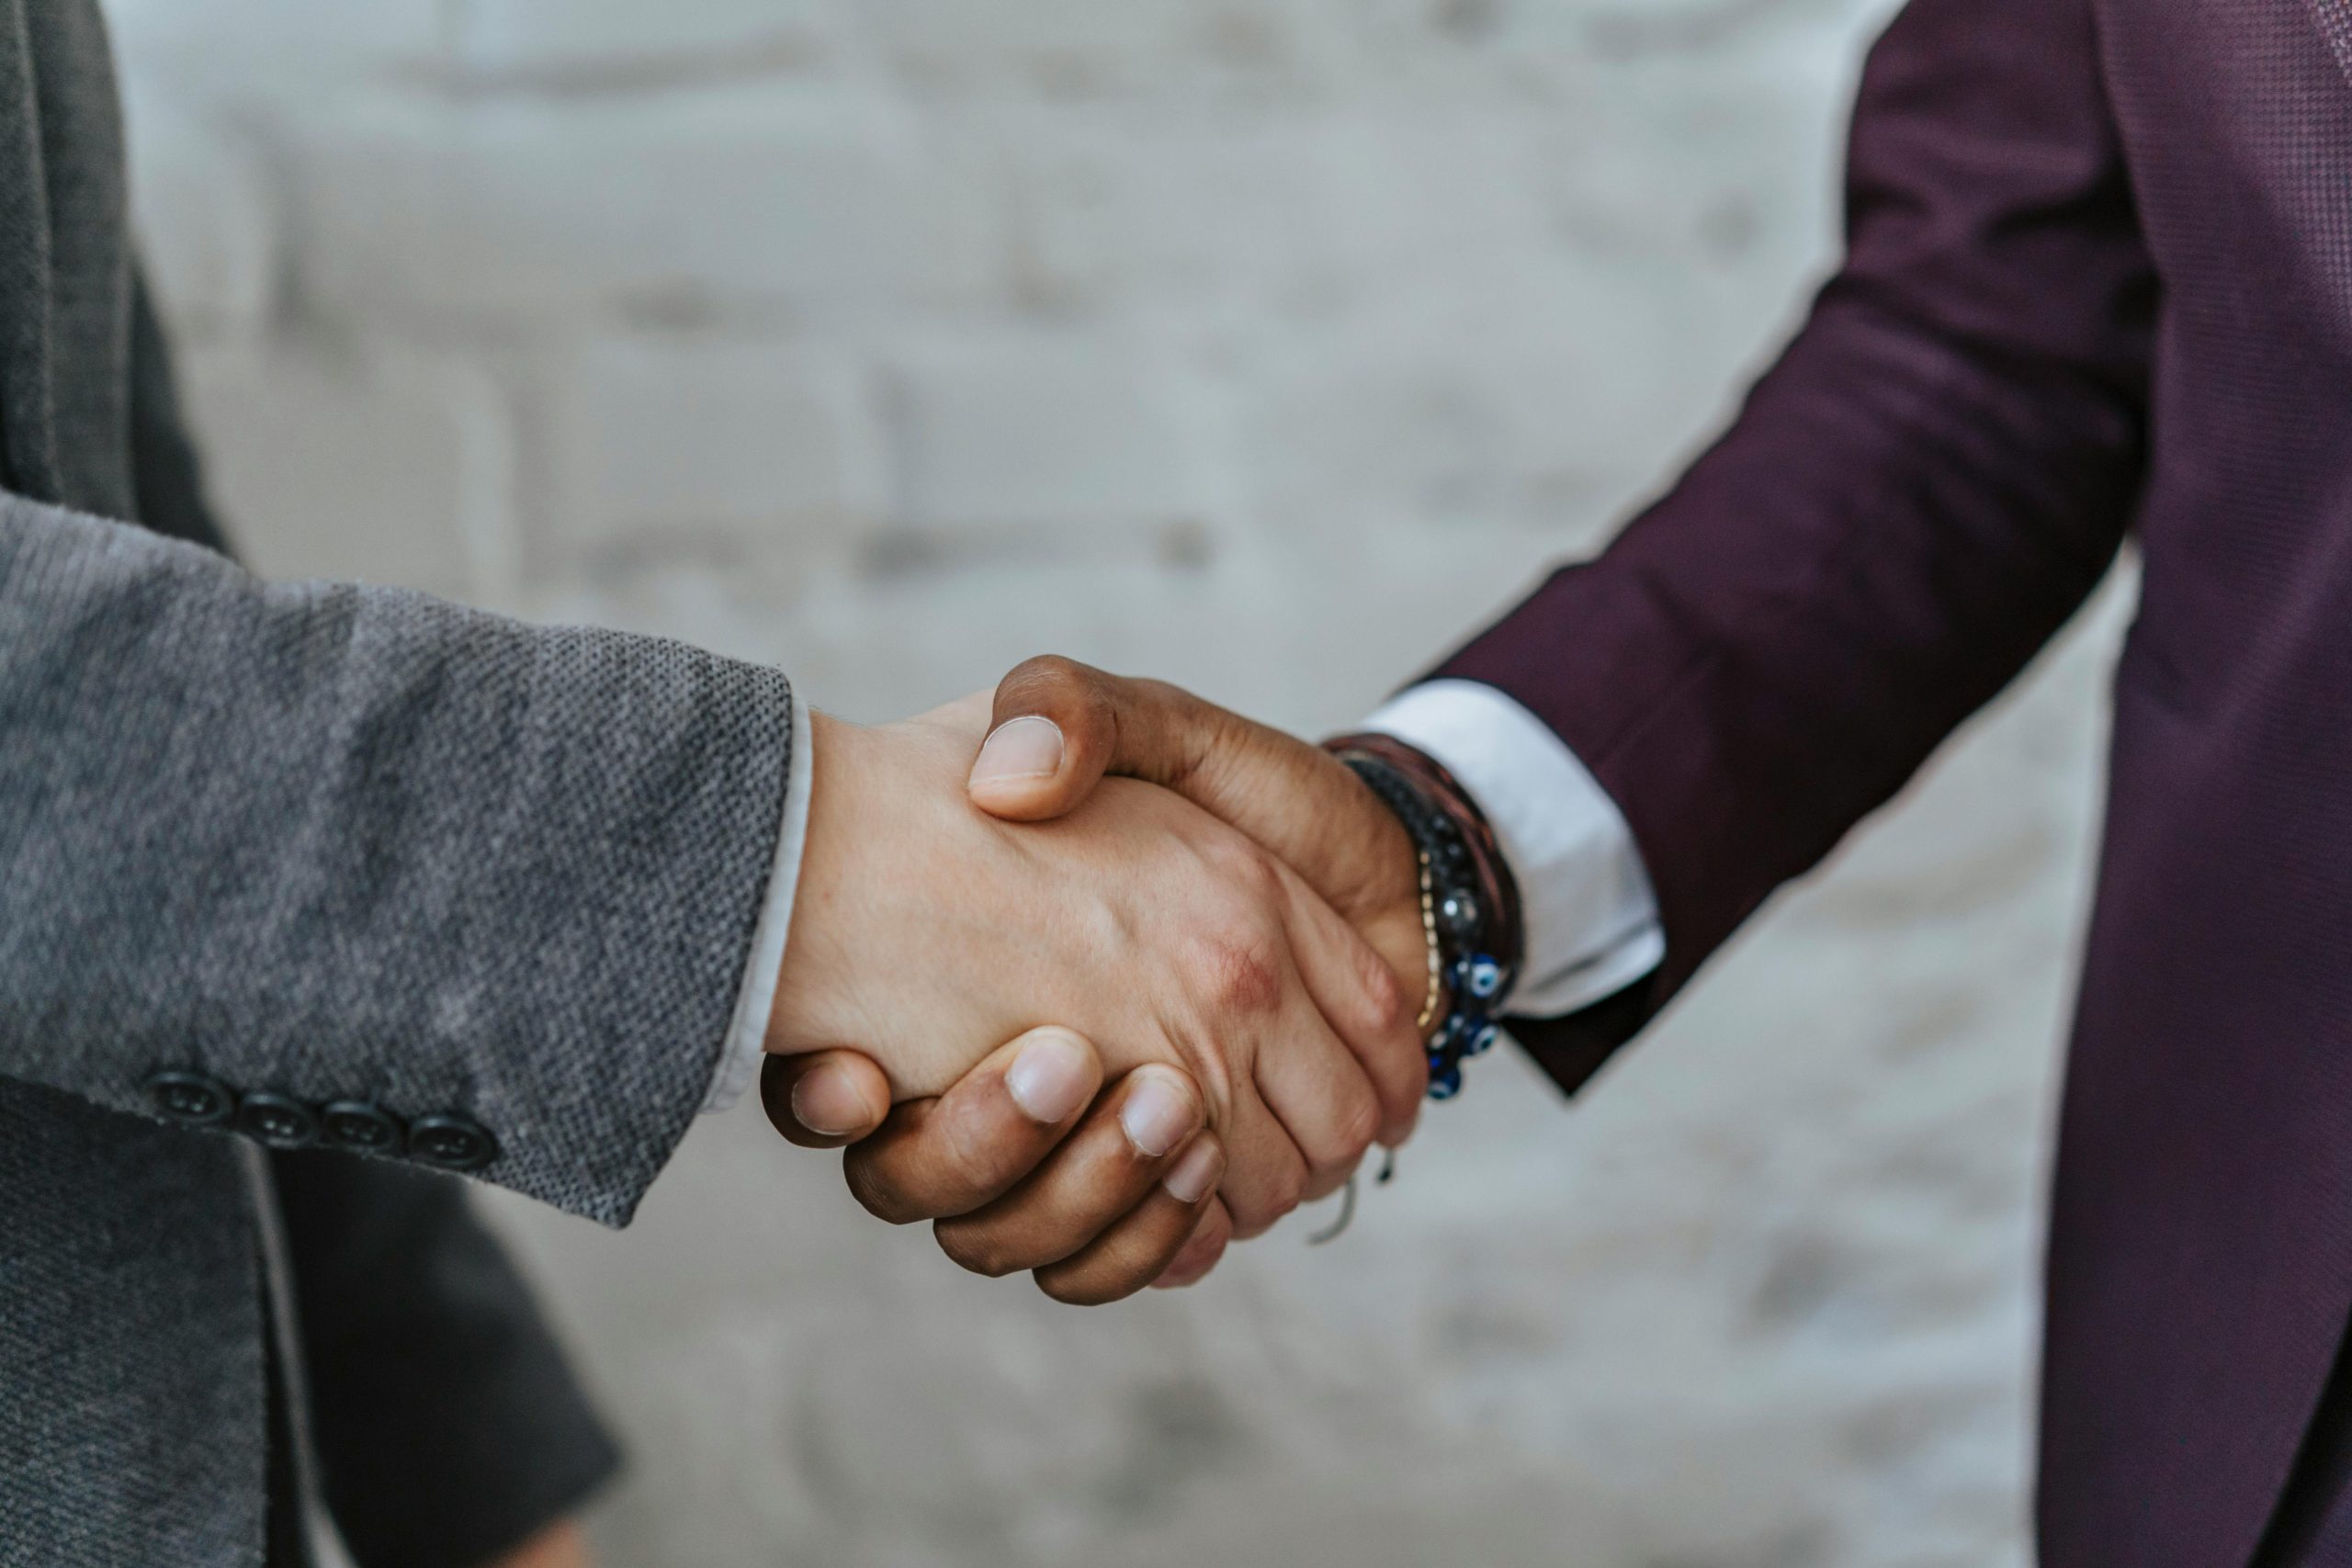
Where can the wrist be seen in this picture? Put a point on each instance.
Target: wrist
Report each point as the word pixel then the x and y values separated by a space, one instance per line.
pixel 802 1016
pixel 1389 912
pixel 899 948
pixel 1468 901
pixel 1474 856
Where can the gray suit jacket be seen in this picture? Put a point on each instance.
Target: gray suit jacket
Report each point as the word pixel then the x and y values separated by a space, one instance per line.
pixel 314 865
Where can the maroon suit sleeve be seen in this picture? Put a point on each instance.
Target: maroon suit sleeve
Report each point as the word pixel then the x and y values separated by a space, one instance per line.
pixel 1932 478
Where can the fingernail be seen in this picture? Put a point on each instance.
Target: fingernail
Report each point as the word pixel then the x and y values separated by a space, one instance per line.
pixel 1048 1079
pixel 1025 747
pixel 1196 1172
pixel 826 1101
pixel 1158 1115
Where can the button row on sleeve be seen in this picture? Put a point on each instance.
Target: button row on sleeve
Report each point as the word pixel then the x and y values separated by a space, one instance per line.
pixel 445 1140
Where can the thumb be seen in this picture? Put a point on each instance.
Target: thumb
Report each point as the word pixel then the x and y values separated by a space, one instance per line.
pixel 824 1098
pixel 1059 725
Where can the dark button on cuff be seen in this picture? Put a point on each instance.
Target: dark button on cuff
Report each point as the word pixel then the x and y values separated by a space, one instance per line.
pixel 453 1143
pixel 192 1098
pixel 356 1124
pixel 276 1120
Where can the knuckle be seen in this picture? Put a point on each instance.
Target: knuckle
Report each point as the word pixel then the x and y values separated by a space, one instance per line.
pixel 1289 1189
pixel 1237 972
pixel 1277 1195
pixel 1105 924
pixel 1039 681
pixel 1359 1123
pixel 1043 670
pixel 967 1159
pixel 1206 1060
pixel 1235 865
pixel 971 1166
pixel 1386 1008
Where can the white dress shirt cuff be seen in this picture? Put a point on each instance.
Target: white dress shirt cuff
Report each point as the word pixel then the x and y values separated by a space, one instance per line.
pixel 740 1062
pixel 1590 919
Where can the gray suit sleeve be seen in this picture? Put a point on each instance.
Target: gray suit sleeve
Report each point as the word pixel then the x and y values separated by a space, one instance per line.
pixel 336 842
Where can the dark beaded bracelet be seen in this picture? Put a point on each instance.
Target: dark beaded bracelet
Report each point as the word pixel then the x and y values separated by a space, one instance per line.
pixel 1469 910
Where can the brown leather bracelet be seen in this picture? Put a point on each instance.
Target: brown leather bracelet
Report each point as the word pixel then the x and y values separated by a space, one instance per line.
pixel 1491 872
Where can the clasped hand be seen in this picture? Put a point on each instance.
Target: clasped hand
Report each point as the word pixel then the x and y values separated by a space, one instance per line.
pixel 1230 934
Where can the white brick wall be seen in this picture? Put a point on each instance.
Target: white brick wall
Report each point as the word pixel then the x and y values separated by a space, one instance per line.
pixel 1051 427
pixel 657 443
pixel 622 44
pixel 404 473
pixel 1264 345
pixel 439 210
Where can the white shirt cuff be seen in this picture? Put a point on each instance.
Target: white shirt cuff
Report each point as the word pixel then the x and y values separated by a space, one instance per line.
pixel 740 1062
pixel 1590 917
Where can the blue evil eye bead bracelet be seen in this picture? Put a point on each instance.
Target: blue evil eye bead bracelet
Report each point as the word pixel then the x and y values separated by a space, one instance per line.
pixel 1464 914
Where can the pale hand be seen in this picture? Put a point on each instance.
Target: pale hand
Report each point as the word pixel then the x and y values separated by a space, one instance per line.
pixel 925 934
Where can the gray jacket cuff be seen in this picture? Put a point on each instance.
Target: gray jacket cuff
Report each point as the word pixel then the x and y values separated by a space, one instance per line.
pixel 739 1064
pixel 319 845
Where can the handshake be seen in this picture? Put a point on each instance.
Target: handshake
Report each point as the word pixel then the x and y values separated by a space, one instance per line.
pixel 1097 880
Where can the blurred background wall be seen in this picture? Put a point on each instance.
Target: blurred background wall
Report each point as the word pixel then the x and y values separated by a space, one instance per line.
pixel 1264 345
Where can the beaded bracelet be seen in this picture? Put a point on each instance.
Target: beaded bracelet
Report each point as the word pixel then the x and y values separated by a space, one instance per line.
pixel 1468 913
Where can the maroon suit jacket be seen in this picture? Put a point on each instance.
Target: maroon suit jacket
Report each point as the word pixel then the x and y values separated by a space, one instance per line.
pixel 2098 283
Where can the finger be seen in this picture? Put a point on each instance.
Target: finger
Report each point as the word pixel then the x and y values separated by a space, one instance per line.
pixel 824 1098
pixel 1201 1253
pixel 1053 731
pixel 1265 1174
pixel 949 1156
pixel 1361 997
pixel 1119 1153
pixel 1057 726
pixel 1139 1248
pixel 1319 1094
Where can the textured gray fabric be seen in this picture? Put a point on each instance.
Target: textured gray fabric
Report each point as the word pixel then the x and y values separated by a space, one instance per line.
pixel 130 1354
pixel 345 843
pixel 329 841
